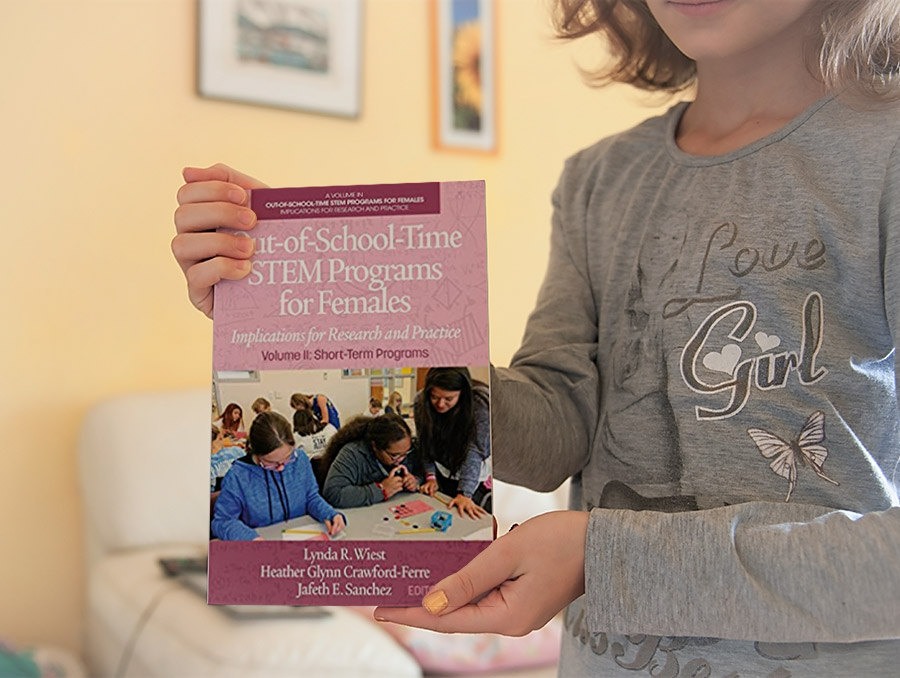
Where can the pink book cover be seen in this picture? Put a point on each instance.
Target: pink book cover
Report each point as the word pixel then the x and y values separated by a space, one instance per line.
pixel 360 300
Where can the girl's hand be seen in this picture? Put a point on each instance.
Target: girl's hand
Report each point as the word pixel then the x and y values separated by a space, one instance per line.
pixel 410 482
pixel 430 487
pixel 336 525
pixel 519 582
pixel 466 507
pixel 212 197
pixel 392 485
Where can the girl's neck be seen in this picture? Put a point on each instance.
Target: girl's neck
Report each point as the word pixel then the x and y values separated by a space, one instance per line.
pixel 746 98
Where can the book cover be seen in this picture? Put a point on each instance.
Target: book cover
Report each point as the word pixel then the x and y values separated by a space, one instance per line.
pixel 351 378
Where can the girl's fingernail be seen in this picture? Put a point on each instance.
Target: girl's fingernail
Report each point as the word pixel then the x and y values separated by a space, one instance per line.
pixel 237 196
pixel 246 217
pixel 379 618
pixel 435 602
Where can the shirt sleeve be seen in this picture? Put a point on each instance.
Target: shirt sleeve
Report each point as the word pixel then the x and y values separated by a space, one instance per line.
pixel 545 405
pixel 227 523
pixel 428 468
pixel 427 464
pixel 316 506
pixel 416 465
pixel 344 486
pixel 478 451
pixel 756 571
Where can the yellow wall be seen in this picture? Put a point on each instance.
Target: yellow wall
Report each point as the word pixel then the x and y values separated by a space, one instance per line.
pixel 98 117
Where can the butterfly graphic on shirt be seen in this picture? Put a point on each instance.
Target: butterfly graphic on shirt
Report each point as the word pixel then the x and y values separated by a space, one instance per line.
pixel 807 449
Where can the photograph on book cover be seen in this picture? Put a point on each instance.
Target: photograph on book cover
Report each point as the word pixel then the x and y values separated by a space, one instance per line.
pixel 463 87
pixel 298 54
pixel 357 455
pixel 351 397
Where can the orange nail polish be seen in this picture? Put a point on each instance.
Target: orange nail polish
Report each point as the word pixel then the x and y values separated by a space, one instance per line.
pixel 436 602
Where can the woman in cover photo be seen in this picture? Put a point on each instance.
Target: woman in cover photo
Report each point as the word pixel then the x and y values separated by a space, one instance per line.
pixel 394 404
pixel 374 409
pixel 272 483
pixel 232 419
pixel 320 405
pixel 453 426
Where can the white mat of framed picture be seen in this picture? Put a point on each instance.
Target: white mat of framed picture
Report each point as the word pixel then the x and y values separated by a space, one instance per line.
pixel 297 54
pixel 464 74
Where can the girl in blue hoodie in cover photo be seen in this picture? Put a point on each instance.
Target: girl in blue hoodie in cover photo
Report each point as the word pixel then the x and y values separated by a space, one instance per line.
pixel 272 483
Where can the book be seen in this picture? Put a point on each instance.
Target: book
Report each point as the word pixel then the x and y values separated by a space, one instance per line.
pixel 358 296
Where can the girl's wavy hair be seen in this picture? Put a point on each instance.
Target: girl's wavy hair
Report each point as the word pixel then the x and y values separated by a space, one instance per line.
pixel 377 432
pixel 445 437
pixel 301 401
pixel 859 45
pixel 306 424
pixel 225 417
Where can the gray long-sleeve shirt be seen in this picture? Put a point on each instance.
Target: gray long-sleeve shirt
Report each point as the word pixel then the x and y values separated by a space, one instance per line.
pixel 352 476
pixel 725 329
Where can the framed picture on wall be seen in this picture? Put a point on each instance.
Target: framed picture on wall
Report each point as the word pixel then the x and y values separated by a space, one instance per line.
pixel 463 81
pixel 297 54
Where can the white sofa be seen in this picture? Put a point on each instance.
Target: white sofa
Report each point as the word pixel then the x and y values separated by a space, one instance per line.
pixel 144 478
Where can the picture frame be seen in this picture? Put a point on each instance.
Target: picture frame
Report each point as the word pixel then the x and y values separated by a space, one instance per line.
pixel 295 54
pixel 464 74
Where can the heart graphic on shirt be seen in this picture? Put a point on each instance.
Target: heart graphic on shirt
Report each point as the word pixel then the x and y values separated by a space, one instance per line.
pixel 723 361
pixel 767 342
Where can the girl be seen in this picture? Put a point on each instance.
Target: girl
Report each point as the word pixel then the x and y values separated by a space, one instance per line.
pixel 233 421
pixel 374 409
pixel 223 452
pixel 721 310
pixel 369 461
pixel 311 435
pixel 453 423
pixel 394 403
pixel 720 313
pixel 261 405
pixel 272 483
pixel 320 405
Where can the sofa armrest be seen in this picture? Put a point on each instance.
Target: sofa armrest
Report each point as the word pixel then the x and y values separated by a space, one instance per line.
pixel 144 465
